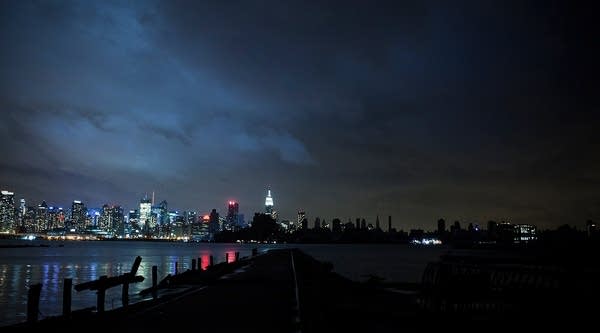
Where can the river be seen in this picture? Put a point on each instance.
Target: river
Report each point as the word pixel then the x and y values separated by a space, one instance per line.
pixel 83 261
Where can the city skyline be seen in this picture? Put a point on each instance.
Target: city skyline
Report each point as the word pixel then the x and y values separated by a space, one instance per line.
pixel 470 111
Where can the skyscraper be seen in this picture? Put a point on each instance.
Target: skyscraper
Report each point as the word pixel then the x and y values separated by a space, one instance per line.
pixel 7 212
pixel 21 213
pixel 441 227
pixel 301 216
pixel 233 209
pixel 41 217
pixel 104 221
pixel 269 203
pixel 213 222
pixel 145 219
pixel 117 226
pixel 78 215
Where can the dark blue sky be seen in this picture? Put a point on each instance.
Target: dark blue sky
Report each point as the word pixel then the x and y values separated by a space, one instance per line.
pixel 465 110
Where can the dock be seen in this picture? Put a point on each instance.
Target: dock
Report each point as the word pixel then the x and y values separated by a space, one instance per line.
pixel 290 291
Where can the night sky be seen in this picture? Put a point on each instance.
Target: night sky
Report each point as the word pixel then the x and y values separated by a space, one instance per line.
pixel 420 110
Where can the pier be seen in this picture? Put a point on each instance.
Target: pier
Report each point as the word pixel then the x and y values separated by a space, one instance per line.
pixel 289 291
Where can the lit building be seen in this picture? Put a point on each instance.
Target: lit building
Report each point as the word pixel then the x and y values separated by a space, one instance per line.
pixel 21 213
pixel 7 212
pixel 516 233
pixel 104 221
pixel 269 203
pixel 41 217
pixel 56 216
pixel 29 221
pixel 145 217
pixel 231 221
pixel 301 217
pixel 78 215
pixel 525 233
pixel 134 223
pixel 117 226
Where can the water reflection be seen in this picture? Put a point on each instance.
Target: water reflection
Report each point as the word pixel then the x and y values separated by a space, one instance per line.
pixel 86 261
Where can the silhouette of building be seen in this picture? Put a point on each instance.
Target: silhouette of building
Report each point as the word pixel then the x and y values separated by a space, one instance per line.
pixel 7 212
pixel 491 229
pixel 358 223
pixel 213 222
pixel 591 228
pixel 441 226
pixel 336 225
pixel 377 223
pixel 317 225
pixel 455 227
pixel 231 220
pixel 390 223
pixel 363 224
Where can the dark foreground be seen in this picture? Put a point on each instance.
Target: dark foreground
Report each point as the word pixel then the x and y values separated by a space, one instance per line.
pixel 289 291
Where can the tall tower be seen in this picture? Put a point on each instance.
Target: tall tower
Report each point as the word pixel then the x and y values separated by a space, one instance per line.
pixel 233 210
pixel 145 219
pixel 269 203
pixel 78 214
pixel 41 217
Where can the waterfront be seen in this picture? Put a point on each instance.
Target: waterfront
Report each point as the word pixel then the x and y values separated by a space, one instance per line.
pixel 85 261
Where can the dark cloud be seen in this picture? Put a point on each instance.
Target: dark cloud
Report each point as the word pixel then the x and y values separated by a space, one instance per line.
pixel 470 110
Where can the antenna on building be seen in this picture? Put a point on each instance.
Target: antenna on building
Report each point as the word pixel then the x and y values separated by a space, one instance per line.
pixel 152 198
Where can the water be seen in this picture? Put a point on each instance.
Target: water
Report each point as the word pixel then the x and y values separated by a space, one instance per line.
pixel 85 261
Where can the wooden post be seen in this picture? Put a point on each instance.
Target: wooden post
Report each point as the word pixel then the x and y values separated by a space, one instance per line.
pixel 33 302
pixel 101 294
pixel 226 258
pixel 176 268
pixel 67 288
pixel 210 263
pixel 193 264
pixel 136 265
pixel 199 263
pixel 125 291
pixel 237 256
pixel 154 280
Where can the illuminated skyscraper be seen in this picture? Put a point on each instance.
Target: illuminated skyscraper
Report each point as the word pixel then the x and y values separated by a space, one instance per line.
pixel 269 203
pixel 7 212
pixel 145 220
pixel 21 213
pixel 41 217
pixel 301 216
pixel 29 222
pixel 233 209
pixel 104 221
pixel 78 215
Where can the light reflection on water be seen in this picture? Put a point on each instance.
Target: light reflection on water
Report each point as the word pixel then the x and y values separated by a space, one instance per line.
pixel 86 261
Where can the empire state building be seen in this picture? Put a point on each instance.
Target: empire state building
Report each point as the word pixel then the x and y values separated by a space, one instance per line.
pixel 269 203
